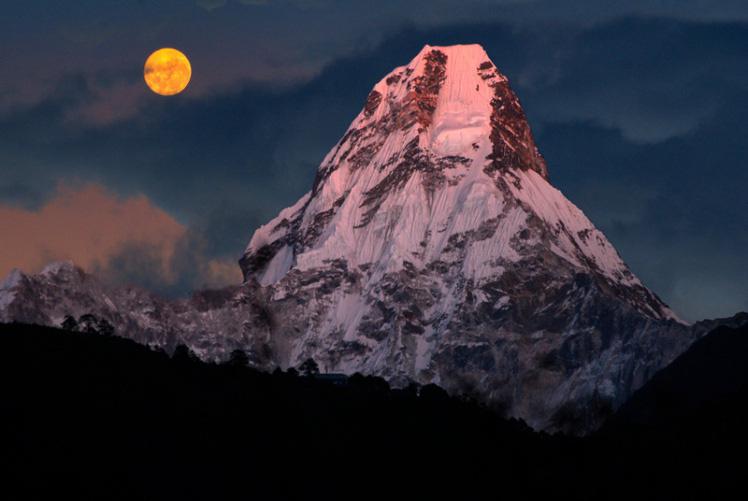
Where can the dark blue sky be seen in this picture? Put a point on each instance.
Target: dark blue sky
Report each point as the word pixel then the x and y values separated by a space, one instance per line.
pixel 638 107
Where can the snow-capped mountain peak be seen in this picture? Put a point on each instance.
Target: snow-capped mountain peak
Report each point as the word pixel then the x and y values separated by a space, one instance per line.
pixel 433 247
pixel 441 153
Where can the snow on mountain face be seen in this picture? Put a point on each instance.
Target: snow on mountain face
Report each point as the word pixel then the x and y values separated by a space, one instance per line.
pixel 7 288
pixel 441 153
pixel 431 248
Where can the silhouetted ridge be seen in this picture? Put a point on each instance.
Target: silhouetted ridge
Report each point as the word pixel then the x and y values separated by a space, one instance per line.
pixel 712 373
pixel 100 417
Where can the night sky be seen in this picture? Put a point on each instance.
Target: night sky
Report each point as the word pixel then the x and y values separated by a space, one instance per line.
pixel 639 108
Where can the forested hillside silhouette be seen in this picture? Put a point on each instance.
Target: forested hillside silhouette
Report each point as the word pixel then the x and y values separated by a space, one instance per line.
pixel 102 417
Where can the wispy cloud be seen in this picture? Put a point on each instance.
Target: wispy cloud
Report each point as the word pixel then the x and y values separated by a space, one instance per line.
pixel 124 240
pixel 211 4
pixel 87 225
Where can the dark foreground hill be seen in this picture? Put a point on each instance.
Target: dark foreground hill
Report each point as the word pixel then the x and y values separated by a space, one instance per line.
pixel 698 385
pixel 686 431
pixel 103 417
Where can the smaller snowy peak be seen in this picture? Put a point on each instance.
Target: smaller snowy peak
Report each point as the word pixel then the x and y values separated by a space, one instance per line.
pixel 63 272
pixel 8 290
pixel 12 279
pixel 42 297
pixel 58 267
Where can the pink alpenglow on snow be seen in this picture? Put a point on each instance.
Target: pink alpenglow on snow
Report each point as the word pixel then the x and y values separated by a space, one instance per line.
pixel 442 148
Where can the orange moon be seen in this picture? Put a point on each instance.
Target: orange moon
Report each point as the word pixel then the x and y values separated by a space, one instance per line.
pixel 167 72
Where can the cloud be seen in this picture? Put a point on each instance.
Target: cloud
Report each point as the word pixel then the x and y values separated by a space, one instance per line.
pixel 211 4
pixel 87 225
pixel 675 210
pixel 584 12
pixel 109 102
pixel 589 12
pixel 124 240
pixel 303 4
pixel 613 75
pixel 189 267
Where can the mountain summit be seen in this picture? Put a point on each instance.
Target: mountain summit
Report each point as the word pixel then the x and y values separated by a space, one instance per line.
pixel 439 172
pixel 431 248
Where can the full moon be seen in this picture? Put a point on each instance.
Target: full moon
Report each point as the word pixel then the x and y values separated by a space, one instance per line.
pixel 167 72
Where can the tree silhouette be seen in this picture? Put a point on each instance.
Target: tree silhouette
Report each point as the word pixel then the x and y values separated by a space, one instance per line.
pixel 309 368
pixel 88 323
pixel 183 353
pixel 372 384
pixel 238 358
pixel 104 327
pixel 70 323
pixel 412 390
pixel 433 392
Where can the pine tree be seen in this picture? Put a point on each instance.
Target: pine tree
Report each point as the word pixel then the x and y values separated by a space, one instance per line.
pixel 238 358
pixel 104 328
pixel 70 323
pixel 309 368
pixel 88 323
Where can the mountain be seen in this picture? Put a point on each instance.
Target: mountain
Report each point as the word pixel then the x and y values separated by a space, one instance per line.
pixel 431 248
